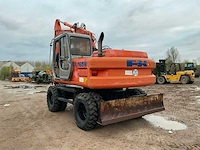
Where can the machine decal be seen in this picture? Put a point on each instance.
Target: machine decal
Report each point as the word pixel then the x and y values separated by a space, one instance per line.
pixel 80 64
pixel 128 72
pixel 139 63
pixel 131 72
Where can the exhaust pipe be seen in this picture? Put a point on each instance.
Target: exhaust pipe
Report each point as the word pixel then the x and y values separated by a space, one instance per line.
pixel 100 45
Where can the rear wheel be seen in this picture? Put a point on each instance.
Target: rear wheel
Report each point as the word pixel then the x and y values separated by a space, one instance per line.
pixel 63 106
pixel 160 80
pixel 184 79
pixel 86 110
pixel 53 103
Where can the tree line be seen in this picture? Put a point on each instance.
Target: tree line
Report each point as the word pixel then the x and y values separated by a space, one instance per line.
pixel 173 56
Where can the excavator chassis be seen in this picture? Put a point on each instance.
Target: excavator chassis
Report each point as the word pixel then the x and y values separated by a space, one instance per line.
pixel 104 106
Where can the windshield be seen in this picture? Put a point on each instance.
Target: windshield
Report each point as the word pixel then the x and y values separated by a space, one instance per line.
pixel 190 65
pixel 80 46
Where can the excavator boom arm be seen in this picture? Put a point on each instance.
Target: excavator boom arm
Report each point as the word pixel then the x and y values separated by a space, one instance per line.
pixel 74 29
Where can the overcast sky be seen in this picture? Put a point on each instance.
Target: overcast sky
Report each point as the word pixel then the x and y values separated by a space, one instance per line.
pixel 153 26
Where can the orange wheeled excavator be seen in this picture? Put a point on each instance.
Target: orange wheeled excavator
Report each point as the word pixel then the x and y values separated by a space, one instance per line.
pixel 102 84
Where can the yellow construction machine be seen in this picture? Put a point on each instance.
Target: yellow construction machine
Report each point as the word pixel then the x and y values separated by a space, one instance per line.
pixel 16 76
pixel 173 73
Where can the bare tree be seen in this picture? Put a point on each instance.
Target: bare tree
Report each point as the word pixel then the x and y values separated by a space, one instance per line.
pixel 186 61
pixel 197 60
pixel 173 55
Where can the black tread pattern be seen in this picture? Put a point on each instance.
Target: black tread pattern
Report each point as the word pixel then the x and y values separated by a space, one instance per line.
pixel 136 92
pixel 63 106
pixel 57 105
pixel 91 100
pixel 142 92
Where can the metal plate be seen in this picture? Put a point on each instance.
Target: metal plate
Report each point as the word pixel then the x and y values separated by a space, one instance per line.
pixel 128 108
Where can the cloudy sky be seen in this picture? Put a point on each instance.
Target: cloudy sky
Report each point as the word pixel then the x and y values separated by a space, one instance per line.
pixel 153 26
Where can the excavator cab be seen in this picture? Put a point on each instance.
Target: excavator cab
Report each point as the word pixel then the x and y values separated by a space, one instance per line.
pixel 192 66
pixel 66 47
pixel 174 68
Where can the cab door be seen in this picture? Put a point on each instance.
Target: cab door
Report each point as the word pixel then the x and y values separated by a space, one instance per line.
pixel 65 62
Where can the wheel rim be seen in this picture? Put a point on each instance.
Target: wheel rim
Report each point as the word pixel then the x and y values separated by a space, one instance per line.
pixel 81 111
pixel 184 79
pixel 161 80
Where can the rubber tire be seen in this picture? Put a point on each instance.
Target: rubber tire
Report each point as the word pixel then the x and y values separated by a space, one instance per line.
pixel 139 92
pixel 53 103
pixel 142 92
pixel 88 119
pixel 63 106
pixel 160 80
pixel 184 79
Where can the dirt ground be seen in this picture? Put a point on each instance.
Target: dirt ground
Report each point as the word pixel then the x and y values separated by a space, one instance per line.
pixel 27 123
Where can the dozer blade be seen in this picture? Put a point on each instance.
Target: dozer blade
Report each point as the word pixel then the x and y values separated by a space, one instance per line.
pixel 128 108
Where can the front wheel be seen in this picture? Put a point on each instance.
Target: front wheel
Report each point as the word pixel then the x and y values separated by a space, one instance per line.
pixel 86 110
pixel 160 80
pixel 184 79
pixel 53 103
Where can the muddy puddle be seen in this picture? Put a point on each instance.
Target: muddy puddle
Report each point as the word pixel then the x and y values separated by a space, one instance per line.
pixel 198 89
pixel 164 123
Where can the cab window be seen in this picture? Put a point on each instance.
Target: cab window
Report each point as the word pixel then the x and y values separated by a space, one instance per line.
pixel 80 46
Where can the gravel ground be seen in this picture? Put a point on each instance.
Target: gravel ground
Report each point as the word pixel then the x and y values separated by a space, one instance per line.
pixel 26 123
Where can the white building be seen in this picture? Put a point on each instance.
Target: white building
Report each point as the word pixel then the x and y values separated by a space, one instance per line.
pixel 10 63
pixel 27 67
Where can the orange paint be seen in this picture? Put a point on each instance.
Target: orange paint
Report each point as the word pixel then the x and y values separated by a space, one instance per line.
pixel 111 71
